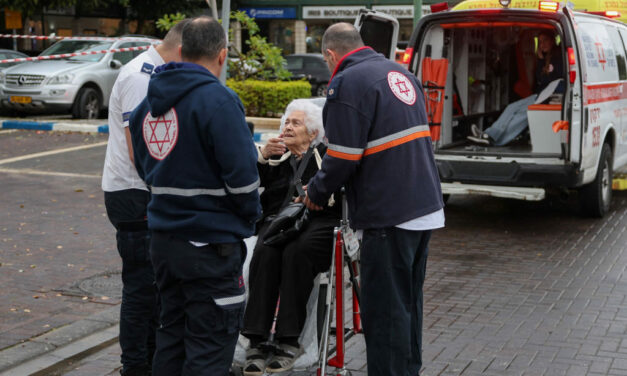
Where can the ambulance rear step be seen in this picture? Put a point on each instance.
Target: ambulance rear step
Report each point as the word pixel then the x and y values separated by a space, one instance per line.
pixel 518 193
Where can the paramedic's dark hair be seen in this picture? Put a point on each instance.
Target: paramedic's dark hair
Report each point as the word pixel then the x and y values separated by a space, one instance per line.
pixel 203 38
pixel 173 38
pixel 551 34
pixel 342 38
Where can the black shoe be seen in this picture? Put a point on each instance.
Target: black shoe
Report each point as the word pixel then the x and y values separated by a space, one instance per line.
pixel 136 371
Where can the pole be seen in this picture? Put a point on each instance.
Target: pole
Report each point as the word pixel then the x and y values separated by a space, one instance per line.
pixel 417 11
pixel 226 16
pixel 14 41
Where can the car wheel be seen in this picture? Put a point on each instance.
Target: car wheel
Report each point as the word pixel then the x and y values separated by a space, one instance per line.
pixel 87 104
pixel 596 196
pixel 321 90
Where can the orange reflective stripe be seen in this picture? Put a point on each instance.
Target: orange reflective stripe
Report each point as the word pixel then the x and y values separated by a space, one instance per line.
pixel 398 141
pixel 346 156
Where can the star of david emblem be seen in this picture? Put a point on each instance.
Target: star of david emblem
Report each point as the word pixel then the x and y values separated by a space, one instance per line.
pixel 161 133
pixel 402 88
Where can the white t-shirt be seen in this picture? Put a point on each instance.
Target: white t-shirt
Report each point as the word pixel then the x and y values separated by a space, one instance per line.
pixel 426 222
pixel 129 90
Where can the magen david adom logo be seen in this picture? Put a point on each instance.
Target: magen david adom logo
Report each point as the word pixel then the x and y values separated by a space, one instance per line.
pixel 161 133
pixel 402 87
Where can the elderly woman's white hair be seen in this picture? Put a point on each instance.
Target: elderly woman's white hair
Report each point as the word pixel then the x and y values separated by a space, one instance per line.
pixel 313 117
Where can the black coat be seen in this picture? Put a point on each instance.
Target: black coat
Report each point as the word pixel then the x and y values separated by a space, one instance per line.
pixel 276 181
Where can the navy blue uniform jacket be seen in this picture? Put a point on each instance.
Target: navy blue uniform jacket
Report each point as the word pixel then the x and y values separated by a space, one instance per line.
pixel 193 148
pixel 379 143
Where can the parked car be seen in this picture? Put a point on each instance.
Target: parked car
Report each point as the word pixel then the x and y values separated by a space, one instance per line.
pixel 10 54
pixel 314 68
pixel 80 84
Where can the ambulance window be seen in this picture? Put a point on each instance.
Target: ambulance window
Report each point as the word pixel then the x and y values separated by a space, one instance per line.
pixel 378 35
pixel 598 51
pixel 619 51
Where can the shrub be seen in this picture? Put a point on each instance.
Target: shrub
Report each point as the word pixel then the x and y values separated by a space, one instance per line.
pixel 268 98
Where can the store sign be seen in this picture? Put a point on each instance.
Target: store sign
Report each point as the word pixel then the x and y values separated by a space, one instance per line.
pixel 332 12
pixel 12 19
pixel 401 11
pixel 270 12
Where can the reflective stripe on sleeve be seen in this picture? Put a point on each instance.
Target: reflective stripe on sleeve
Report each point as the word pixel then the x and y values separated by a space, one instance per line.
pixel 397 139
pixel 343 152
pixel 247 189
pixel 230 300
pixel 187 192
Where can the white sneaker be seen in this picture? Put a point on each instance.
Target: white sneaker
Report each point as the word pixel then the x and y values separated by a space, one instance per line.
pixel 484 139
pixel 476 132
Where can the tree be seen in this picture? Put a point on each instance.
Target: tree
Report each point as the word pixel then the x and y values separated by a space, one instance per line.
pixel 262 61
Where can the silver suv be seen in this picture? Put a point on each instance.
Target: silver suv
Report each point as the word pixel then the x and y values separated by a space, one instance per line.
pixel 80 84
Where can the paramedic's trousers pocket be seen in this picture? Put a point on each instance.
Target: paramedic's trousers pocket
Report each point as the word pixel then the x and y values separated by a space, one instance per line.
pixel 202 304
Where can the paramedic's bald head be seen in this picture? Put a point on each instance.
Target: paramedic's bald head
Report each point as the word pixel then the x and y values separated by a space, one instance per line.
pixel 169 49
pixel 204 43
pixel 341 38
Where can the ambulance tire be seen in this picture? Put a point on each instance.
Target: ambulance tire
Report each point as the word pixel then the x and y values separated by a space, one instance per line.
pixel 596 197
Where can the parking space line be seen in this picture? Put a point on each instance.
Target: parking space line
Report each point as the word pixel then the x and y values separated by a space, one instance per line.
pixel 8 131
pixel 27 171
pixel 51 152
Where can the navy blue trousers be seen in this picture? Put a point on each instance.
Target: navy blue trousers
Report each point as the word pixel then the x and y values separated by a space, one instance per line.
pixel 393 265
pixel 126 210
pixel 202 296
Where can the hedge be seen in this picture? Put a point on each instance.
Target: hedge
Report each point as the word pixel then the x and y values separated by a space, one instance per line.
pixel 268 98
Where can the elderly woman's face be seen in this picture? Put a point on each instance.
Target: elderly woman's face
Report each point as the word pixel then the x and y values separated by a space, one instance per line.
pixel 295 133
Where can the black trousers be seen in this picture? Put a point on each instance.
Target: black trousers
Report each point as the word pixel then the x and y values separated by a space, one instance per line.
pixel 289 271
pixel 202 296
pixel 393 266
pixel 126 210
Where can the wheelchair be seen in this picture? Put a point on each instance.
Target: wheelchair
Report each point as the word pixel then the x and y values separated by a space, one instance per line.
pixel 331 299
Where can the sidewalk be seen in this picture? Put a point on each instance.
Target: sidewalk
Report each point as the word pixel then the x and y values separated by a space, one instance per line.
pixel 264 127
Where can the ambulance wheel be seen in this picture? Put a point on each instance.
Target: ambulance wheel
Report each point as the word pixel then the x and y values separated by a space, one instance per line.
pixel 87 104
pixel 596 196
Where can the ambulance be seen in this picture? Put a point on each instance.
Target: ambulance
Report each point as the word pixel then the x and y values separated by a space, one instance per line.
pixel 479 58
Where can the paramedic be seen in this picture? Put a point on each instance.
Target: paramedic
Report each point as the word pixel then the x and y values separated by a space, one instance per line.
pixel 193 147
pixel 126 197
pixel 380 149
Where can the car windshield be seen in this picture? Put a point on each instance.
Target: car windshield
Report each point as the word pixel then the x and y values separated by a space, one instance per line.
pixel 71 46
pixel 294 62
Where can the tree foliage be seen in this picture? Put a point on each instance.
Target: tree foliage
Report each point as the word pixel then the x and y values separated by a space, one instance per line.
pixel 262 61
pixel 168 21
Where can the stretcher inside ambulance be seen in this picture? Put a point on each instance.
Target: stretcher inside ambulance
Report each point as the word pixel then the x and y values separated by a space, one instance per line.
pixel 475 63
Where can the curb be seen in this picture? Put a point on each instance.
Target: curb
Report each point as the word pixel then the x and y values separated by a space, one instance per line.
pixel 259 136
pixel 39 355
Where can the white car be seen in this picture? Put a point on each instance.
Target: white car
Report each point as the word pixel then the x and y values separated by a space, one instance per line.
pixel 80 84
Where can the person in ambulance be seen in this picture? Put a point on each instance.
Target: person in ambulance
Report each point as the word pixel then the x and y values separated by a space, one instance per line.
pixel 513 121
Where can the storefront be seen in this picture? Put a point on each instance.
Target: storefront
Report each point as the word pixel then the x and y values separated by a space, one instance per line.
pixel 299 29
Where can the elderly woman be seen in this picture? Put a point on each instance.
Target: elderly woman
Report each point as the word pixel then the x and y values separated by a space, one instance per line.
pixel 287 270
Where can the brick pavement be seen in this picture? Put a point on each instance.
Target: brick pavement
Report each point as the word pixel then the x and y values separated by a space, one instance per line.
pixel 513 288
pixel 53 232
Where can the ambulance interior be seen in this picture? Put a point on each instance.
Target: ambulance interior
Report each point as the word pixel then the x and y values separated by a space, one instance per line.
pixel 472 71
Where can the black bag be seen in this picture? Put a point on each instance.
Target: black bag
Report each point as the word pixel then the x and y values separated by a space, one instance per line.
pixel 293 216
pixel 287 224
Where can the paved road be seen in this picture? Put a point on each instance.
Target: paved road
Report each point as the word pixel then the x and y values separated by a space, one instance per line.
pixel 513 288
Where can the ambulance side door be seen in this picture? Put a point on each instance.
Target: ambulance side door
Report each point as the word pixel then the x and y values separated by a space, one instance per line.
pixel 379 31
pixel 601 89
pixel 575 93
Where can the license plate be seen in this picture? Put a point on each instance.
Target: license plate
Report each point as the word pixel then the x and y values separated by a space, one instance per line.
pixel 16 99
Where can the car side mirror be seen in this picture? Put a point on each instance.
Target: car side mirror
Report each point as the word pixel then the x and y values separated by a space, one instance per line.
pixel 115 64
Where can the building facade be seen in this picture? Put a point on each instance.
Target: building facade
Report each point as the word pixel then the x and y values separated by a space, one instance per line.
pixel 297 27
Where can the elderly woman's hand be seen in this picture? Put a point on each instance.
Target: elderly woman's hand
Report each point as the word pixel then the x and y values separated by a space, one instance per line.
pixel 274 146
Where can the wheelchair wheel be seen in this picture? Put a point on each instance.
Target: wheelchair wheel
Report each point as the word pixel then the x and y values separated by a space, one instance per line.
pixel 321 309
